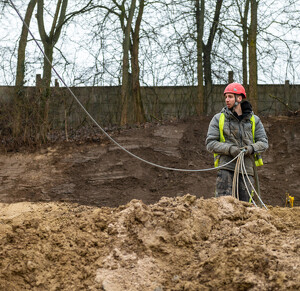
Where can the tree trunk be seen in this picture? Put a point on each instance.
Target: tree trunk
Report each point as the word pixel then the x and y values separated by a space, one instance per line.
pixel 244 21
pixel 136 90
pixel 125 89
pixel 207 78
pixel 49 42
pixel 22 45
pixel 47 68
pixel 207 49
pixel 252 56
pixel 18 103
pixel 200 29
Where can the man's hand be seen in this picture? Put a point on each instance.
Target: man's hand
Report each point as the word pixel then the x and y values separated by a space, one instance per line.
pixel 248 150
pixel 234 151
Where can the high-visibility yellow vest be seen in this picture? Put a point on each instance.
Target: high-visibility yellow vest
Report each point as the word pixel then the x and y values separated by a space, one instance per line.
pixel 257 157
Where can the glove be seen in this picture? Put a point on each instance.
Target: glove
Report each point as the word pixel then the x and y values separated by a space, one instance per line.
pixel 248 150
pixel 234 151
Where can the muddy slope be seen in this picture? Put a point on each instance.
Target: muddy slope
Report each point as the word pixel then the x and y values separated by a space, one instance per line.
pixel 100 174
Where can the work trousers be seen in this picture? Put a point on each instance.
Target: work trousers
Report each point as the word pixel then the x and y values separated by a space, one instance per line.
pixel 225 181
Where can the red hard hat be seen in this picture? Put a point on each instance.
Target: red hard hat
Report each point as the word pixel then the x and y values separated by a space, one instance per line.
pixel 235 88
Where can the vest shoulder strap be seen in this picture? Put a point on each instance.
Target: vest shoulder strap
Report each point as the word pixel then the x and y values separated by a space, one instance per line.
pixel 252 120
pixel 221 127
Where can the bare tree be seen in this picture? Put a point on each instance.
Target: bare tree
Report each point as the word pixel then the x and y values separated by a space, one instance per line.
pixel 49 40
pixel 18 104
pixel 136 90
pixel 130 17
pixel 199 38
pixel 244 41
pixel 22 45
pixel 253 56
pixel 126 23
pixel 207 50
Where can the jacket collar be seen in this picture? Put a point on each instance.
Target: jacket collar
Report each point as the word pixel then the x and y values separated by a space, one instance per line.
pixel 246 109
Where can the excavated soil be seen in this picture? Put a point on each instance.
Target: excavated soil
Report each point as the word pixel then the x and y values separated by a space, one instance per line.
pixel 84 215
pixel 181 243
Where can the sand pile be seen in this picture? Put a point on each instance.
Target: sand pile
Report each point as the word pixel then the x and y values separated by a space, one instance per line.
pixel 180 243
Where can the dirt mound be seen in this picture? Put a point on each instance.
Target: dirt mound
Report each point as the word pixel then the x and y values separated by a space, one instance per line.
pixel 181 243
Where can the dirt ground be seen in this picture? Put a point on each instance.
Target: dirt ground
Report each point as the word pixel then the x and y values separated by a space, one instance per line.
pixel 84 215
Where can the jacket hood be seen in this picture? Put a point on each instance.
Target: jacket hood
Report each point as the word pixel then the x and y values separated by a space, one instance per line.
pixel 246 111
pixel 246 108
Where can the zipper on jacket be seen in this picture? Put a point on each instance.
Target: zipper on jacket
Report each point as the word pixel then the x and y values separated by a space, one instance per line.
pixel 240 133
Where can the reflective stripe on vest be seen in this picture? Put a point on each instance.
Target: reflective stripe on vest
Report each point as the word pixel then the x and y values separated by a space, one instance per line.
pixel 222 138
pixel 257 157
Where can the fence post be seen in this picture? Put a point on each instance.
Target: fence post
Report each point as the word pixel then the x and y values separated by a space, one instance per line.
pixel 230 77
pixel 38 80
pixel 287 92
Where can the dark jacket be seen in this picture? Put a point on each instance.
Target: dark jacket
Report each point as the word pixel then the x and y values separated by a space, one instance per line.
pixel 237 131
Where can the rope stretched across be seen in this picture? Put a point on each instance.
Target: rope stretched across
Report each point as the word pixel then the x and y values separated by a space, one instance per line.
pixel 95 122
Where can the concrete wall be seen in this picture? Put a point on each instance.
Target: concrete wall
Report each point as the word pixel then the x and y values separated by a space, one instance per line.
pixel 103 103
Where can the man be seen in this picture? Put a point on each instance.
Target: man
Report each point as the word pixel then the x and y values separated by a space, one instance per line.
pixel 233 129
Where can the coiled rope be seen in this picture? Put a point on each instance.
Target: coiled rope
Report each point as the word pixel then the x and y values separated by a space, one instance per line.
pixel 241 168
pixel 240 157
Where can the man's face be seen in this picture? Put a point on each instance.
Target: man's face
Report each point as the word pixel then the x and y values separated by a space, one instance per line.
pixel 230 99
